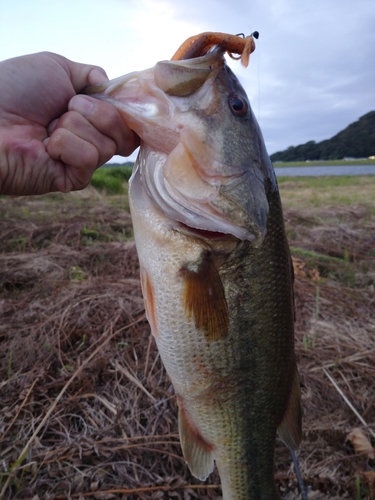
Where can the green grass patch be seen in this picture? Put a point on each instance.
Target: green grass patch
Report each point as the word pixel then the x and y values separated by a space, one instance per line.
pixel 90 233
pixel 77 274
pixel 106 232
pixel 321 163
pixel 328 181
pixel 331 267
pixel 17 244
pixel 112 180
pixel 301 252
pixel 303 192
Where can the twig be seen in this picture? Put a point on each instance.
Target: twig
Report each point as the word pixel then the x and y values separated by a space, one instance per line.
pixel 133 491
pixel 19 409
pixel 363 422
pixel 150 341
pixel 348 359
pixel 134 380
pixel 104 401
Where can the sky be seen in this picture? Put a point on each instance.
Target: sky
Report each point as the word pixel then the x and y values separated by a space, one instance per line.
pixel 311 75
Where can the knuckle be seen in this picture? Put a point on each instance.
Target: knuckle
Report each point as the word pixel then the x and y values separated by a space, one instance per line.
pixel 106 152
pixel 56 143
pixel 88 157
pixel 108 120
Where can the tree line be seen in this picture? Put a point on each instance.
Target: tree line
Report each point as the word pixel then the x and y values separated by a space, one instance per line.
pixel 355 141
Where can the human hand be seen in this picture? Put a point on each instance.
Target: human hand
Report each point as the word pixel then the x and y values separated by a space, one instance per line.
pixel 50 138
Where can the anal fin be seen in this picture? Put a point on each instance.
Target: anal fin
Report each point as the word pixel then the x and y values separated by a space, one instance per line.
pixel 197 452
pixel 290 428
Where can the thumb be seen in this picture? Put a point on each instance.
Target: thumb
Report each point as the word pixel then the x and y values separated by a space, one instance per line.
pixel 81 75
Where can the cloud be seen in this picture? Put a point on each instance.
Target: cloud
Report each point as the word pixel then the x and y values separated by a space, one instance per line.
pixel 311 75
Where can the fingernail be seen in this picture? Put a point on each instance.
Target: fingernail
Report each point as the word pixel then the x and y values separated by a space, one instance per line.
pixel 81 104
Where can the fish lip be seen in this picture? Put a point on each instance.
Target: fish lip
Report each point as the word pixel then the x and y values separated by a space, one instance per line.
pixel 210 237
pixel 213 59
pixel 203 233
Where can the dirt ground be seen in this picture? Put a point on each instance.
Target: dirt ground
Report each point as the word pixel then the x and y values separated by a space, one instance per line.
pixel 86 409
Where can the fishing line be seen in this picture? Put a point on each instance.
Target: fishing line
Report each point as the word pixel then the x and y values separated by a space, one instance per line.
pixel 259 53
pixel 255 34
pixel 299 476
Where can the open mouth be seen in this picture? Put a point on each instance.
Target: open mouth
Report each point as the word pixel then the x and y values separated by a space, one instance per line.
pixel 203 233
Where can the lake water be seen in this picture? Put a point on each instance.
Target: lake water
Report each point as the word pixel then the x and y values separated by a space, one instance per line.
pixel 324 170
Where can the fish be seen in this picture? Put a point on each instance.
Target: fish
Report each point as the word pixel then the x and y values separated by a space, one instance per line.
pixel 215 265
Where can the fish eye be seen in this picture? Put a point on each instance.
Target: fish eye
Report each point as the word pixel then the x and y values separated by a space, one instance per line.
pixel 238 105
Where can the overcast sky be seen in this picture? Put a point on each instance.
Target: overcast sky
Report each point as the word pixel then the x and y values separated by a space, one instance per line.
pixel 313 71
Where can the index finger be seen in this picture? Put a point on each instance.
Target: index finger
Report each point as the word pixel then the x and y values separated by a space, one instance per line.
pixel 107 120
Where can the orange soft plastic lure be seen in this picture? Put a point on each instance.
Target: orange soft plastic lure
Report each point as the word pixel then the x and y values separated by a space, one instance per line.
pixel 199 45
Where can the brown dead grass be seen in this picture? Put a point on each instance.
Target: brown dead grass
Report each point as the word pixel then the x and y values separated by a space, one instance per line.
pixel 87 410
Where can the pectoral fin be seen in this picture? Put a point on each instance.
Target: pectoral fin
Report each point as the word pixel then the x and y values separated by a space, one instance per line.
pixel 197 452
pixel 290 429
pixel 204 299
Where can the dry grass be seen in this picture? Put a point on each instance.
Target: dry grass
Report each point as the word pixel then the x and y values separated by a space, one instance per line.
pixel 302 192
pixel 86 408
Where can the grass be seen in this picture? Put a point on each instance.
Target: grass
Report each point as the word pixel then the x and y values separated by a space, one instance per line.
pixel 283 164
pixel 10 363
pixel 330 181
pixel 309 339
pixel 80 372
pixel 111 179
pixel 314 255
pixel 322 216
pixel 324 191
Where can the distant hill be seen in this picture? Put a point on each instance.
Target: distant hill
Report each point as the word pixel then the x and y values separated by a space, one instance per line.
pixel 355 141
pixel 126 164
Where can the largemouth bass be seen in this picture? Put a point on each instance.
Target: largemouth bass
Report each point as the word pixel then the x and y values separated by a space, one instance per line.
pixel 216 271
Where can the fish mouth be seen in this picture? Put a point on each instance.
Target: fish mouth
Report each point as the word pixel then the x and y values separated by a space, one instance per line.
pixel 198 208
pixel 202 233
